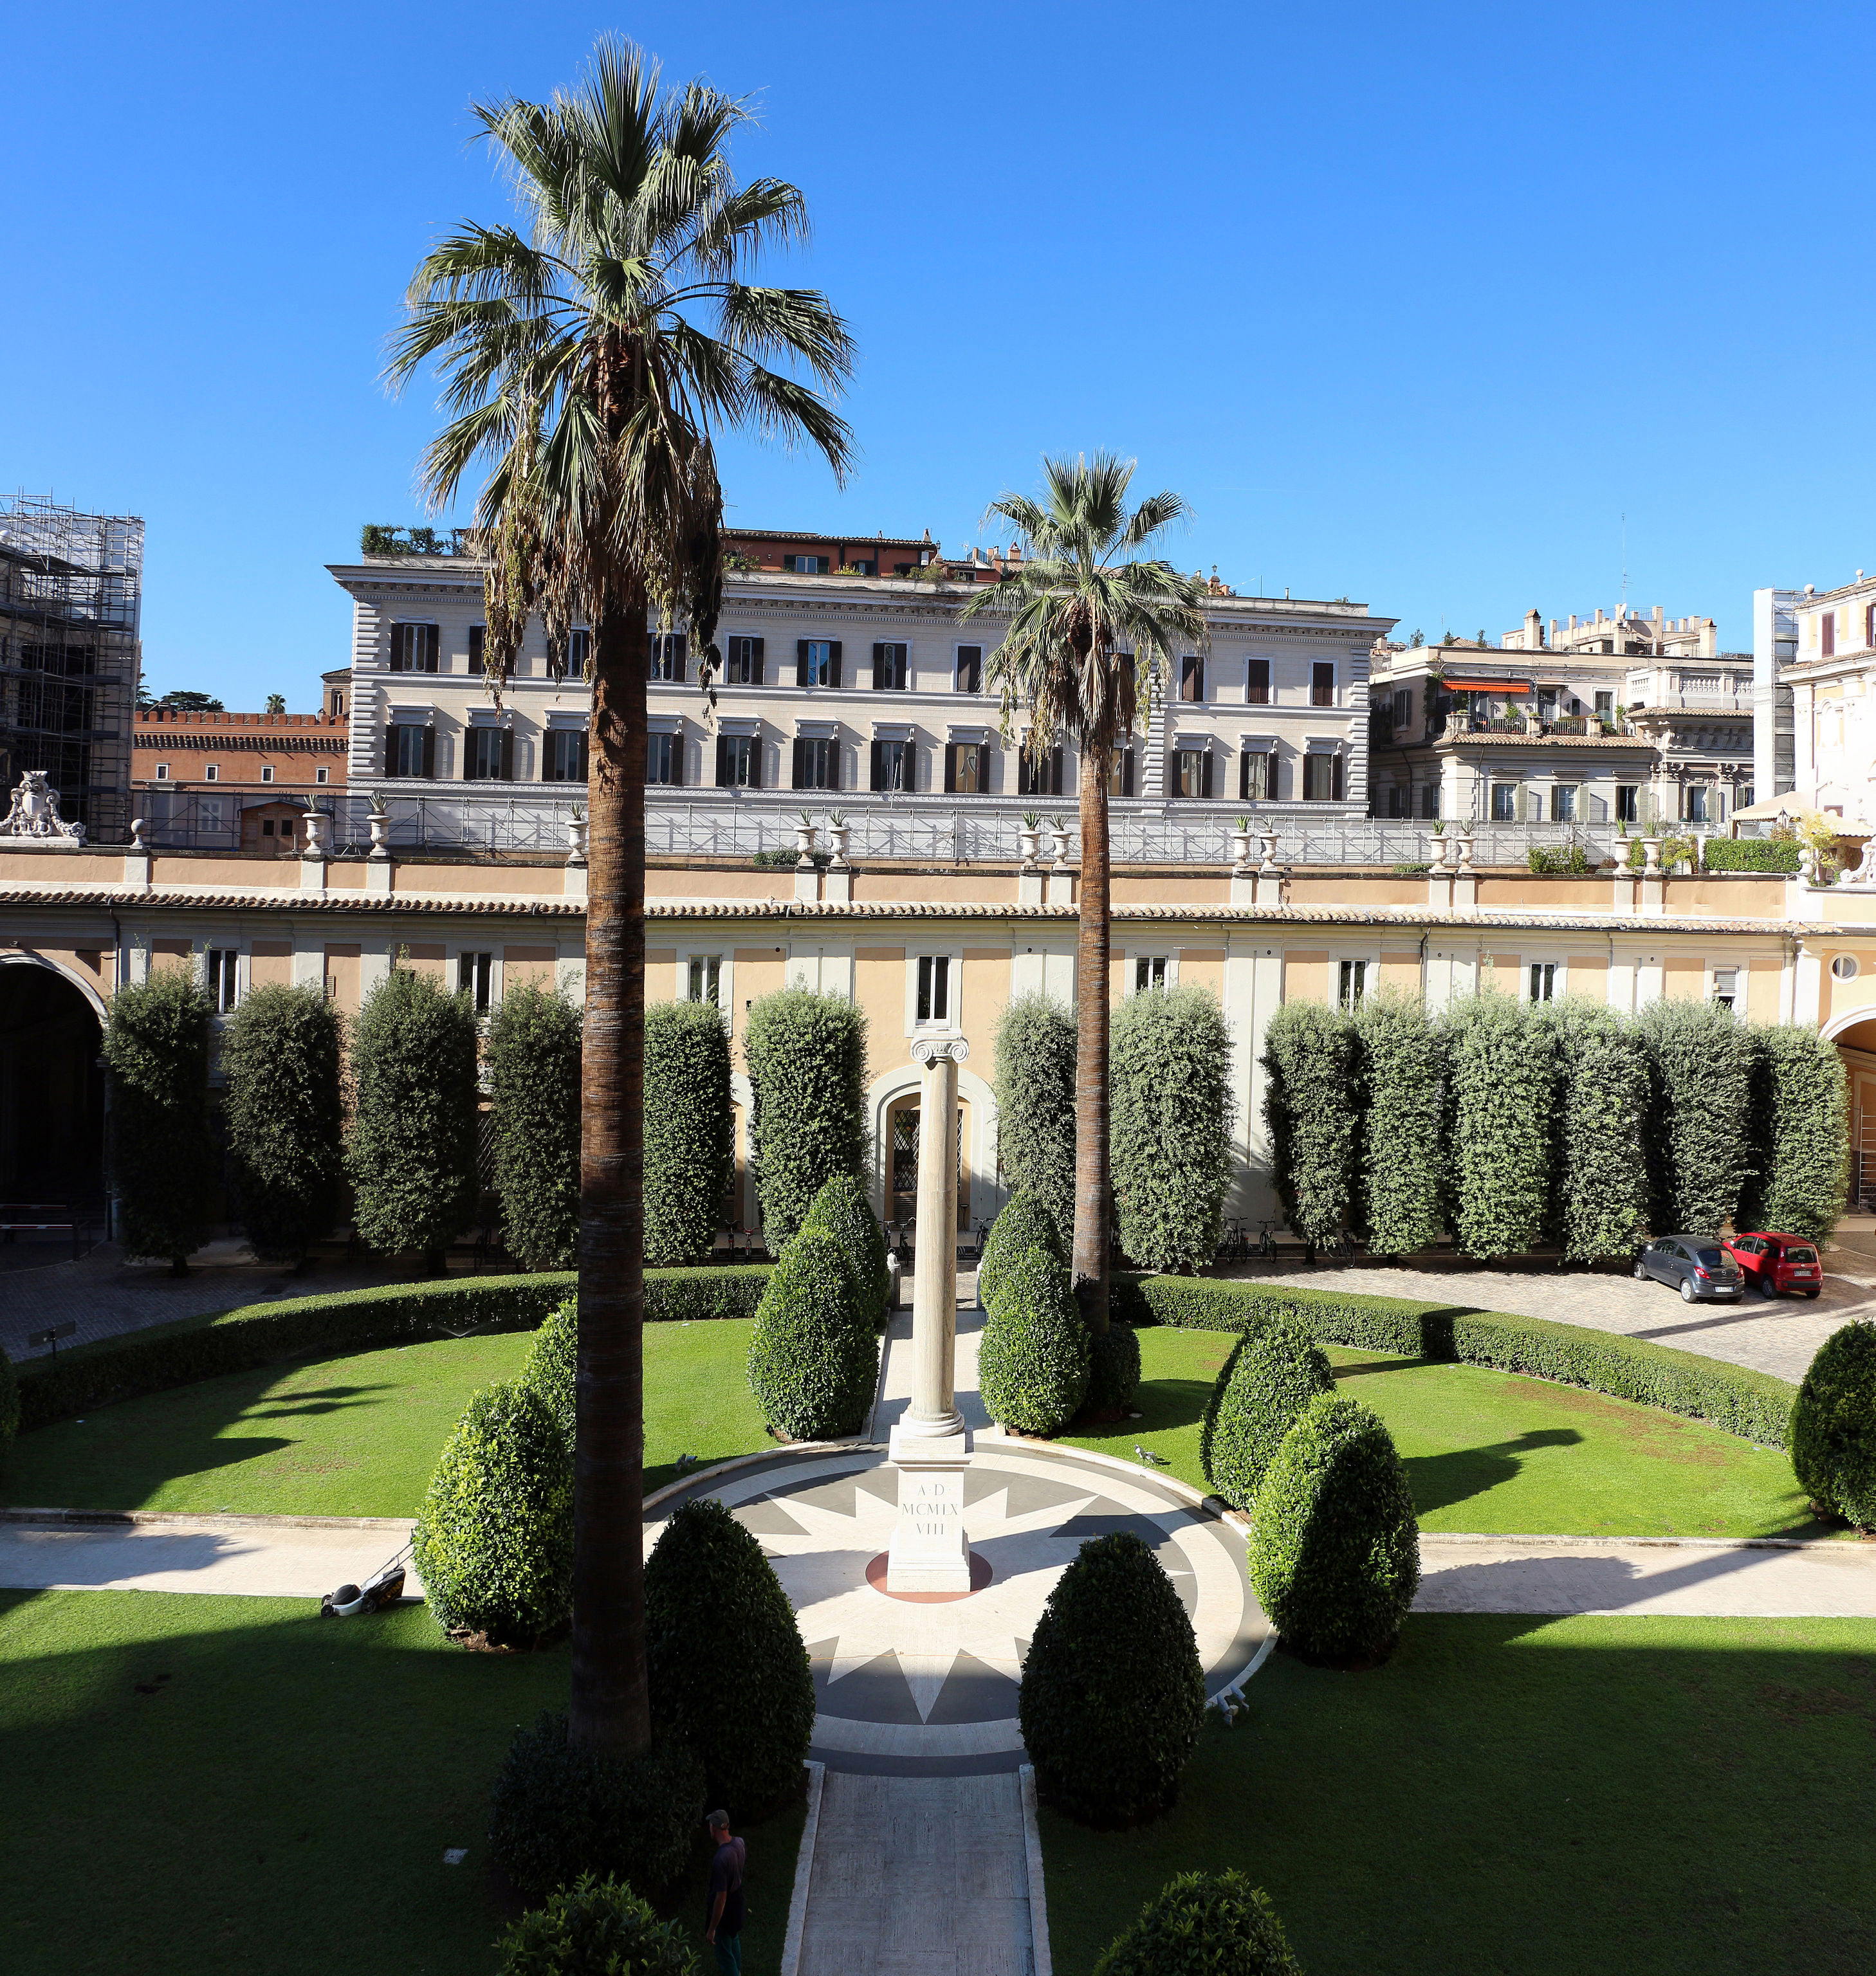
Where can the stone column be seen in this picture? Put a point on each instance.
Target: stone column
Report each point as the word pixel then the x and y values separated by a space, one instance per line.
pixel 931 1446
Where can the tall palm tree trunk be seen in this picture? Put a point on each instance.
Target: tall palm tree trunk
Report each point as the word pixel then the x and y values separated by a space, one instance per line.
pixel 1089 1262
pixel 610 1704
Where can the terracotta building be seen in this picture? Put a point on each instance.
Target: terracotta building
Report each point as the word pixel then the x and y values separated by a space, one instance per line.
pixel 235 781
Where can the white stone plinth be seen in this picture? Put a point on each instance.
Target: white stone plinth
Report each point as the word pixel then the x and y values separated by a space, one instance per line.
pixel 930 1551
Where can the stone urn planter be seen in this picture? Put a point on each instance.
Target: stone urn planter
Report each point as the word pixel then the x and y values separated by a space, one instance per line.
pixel 1026 841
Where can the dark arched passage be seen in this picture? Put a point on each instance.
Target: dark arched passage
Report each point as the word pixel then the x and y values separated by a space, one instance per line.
pixel 52 1089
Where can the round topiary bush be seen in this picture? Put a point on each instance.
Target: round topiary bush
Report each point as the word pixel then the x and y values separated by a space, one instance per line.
pixel 494 1538
pixel 1033 1358
pixel 814 1354
pixel 9 1404
pixel 561 1810
pixel 1023 1224
pixel 1273 1374
pixel 551 1370
pixel 1203 1925
pixel 1833 1437
pixel 843 1209
pixel 1112 1693
pixel 711 1596
pixel 596 1927
pixel 1335 1553
pixel 1113 1369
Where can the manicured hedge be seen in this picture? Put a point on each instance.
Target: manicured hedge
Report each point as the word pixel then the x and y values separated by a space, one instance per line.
pixel 690 1129
pixel 1754 1405
pixel 1033 1360
pixel 807 1055
pixel 533 1068
pixel 814 1353
pixel 1834 1426
pixel 1170 1129
pixel 597 1928
pixel 160 1151
pixel 9 1403
pixel 1036 1044
pixel 1274 1372
pixel 1203 1925
pixel 1753 854
pixel 202 1347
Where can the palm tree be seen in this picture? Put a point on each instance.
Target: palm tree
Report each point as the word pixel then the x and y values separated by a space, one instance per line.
pixel 1092 634
pixel 590 356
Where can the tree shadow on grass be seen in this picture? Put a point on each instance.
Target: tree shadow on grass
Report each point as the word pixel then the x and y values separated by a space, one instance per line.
pixel 1166 1404
pixel 1438 1480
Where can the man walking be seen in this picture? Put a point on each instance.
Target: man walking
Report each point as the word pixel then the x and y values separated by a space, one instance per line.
pixel 724 1930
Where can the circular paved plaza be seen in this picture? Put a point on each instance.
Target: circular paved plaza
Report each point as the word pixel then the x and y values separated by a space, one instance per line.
pixel 928 1686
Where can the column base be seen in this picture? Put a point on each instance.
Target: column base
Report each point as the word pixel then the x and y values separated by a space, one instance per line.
pixel 930 1551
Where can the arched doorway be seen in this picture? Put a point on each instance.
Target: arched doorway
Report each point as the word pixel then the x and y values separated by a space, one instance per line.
pixel 52 1088
pixel 1856 1042
pixel 901 1164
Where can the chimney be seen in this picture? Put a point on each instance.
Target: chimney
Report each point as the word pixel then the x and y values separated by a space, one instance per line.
pixel 1534 632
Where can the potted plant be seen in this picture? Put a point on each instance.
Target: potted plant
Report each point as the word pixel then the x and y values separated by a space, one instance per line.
pixel 1028 837
pixel 1241 841
pixel 576 835
pixel 804 837
pixel 1058 839
pixel 837 834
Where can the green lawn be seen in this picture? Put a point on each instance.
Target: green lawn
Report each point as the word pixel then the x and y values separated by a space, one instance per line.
pixel 1493 1451
pixel 1659 1796
pixel 357 1436
pixel 203 1785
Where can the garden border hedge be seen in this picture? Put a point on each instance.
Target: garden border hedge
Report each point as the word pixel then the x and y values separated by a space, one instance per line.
pixel 1756 1406
pixel 233 1341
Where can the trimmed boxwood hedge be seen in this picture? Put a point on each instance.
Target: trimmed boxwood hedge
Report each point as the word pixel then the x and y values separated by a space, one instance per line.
pixel 1203 1925
pixel 1272 1374
pixel 1754 1405
pixel 1753 853
pixel 203 1347
pixel 842 1208
pixel 1033 1360
pixel 552 1370
pixel 597 1928
pixel 1023 1223
pixel 814 1354
pixel 9 1403
pixel 1834 1426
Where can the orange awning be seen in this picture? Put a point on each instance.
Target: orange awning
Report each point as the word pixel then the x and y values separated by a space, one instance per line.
pixel 1488 685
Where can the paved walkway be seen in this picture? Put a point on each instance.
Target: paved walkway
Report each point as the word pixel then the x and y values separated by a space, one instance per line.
pixel 920 1876
pixel 1778 1336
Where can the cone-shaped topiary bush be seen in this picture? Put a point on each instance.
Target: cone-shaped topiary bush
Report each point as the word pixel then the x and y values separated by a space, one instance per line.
pixel 161 1156
pixel 562 1809
pixel 1033 1361
pixel 807 1074
pixel 842 1208
pixel 1112 1693
pixel 1113 1368
pixel 597 1928
pixel 280 1057
pixel 1833 1437
pixel 551 1369
pixel 814 1354
pixel 1335 1554
pixel 715 1608
pixel 1023 1224
pixel 1204 1924
pixel 1036 1045
pixel 494 1537
pixel 1272 1374
pixel 534 1108
pixel 689 1129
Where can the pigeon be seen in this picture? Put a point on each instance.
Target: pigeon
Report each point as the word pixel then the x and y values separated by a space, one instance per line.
pixel 1151 1460
pixel 685 1461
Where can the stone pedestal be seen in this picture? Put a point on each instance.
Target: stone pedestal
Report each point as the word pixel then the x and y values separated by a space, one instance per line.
pixel 930 1447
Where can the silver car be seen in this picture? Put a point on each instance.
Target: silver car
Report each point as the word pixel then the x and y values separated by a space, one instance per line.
pixel 1698 1266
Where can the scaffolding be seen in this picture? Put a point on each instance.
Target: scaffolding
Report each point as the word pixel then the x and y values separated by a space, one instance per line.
pixel 71 595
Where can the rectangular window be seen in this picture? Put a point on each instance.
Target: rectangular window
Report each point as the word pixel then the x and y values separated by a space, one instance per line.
pixel 1744 799
pixel 1547 703
pixel 1563 803
pixel 1120 776
pixel 1257 776
pixel 1503 802
pixel 1403 710
pixel 489 756
pixel 933 988
pixel 1627 802
pixel 970 668
pixel 1351 983
pixel 1322 779
pixel 213 773
pixel 1150 973
pixel 163 772
pixel 805 565
pixel 1726 987
pixel 1696 802
pixel 1322 683
pixel 475 973
pixel 1543 979
pixel 1396 797
pixel 580 652
pixel 892 767
pixel 1191 772
pixel 267 772
pixel 889 668
pixel 322 775
pixel 817 762
pixel 1429 800
pixel 817 662
pixel 1827 634
pixel 667 656
pixel 706 975
pixel 563 755
pixel 1256 683
pixel 413 648
pixel 1192 677
pixel 739 762
pixel 742 662
pixel 663 759
pixel 967 768
pixel 1041 778
pixel 478 646
pixel 223 978
pixel 1605 707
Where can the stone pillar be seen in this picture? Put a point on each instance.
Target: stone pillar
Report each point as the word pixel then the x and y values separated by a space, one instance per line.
pixel 931 1446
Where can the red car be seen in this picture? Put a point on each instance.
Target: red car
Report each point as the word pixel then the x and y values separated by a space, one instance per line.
pixel 1772 1264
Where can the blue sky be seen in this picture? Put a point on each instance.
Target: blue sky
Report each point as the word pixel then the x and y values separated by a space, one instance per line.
pixel 1415 305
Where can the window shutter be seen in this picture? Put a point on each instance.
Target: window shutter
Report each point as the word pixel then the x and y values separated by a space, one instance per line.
pixel 522 759
pixel 798 741
pixel 680 647
pixel 950 767
pixel 508 754
pixel 755 672
pixel 801 674
pixel 911 767
pixel 882 678
pixel 722 761
pixel 878 771
pixel 1206 778
pixel 833 662
pixel 429 751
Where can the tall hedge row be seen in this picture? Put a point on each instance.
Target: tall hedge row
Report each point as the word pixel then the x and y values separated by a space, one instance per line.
pixel 280 1058
pixel 1310 1108
pixel 806 1053
pixel 534 1107
pixel 1700 1062
pixel 161 1154
pixel 1399 1071
pixel 1601 1207
pixel 1170 1076
pixel 1800 1133
pixel 690 1150
pixel 1035 1077
pixel 1500 1084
